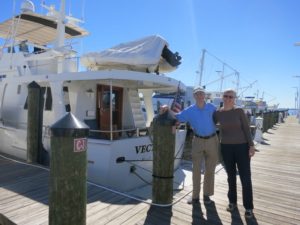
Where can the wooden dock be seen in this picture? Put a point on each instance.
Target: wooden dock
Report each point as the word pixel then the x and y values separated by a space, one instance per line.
pixel 276 185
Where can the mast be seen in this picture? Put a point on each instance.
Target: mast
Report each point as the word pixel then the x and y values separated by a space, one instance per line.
pixel 237 81
pixel 201 67
pixel 60 39
pixel 222 77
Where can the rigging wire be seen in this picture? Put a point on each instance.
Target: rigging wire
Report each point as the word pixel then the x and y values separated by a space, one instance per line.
pixel 223 62
pixel 83 10
pixel 70 5
pixel 213 62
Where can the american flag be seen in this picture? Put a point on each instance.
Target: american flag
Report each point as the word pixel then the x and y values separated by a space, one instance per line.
pixel 177 103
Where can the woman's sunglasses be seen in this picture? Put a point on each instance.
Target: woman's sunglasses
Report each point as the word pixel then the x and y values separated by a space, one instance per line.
pixel 228 96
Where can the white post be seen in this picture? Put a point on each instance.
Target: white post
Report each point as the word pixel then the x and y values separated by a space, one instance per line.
pixel 259 127
pixel 298 99
pixel 111 109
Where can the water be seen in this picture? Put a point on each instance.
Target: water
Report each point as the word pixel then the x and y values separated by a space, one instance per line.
pixel 293 112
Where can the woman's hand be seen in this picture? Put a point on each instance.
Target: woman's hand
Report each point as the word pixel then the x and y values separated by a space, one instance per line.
pixel 251 151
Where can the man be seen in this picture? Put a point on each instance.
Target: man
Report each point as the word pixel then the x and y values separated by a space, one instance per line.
pixel 204 145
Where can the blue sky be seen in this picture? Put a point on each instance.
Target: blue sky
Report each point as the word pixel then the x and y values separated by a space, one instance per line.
pixel 255 37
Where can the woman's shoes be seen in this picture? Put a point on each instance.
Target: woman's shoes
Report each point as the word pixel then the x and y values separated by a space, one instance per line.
pixel 249 213
pixel 231 207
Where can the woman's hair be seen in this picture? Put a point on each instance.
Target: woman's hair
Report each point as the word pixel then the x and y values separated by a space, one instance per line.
pixel 230 90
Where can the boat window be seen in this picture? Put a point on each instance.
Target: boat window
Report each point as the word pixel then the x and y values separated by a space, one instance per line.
pixel 106 100
pixel 66 99
pixel 23 47
pixel 11 49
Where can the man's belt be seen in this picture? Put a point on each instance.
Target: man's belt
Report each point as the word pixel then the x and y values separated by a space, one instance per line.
pixel 205 137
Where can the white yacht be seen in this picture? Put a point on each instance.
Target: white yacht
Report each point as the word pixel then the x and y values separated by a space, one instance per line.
pixel 106 95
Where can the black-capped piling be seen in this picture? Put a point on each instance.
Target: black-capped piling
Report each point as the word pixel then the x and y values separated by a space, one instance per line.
pixel 68 172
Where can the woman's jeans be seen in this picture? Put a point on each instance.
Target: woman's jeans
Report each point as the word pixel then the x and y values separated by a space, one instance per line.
pixel 237 156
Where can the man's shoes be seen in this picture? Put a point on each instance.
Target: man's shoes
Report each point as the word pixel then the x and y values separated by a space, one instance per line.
pixel 193 201
pixel 249 213
pixel 206 200
pixel 231 207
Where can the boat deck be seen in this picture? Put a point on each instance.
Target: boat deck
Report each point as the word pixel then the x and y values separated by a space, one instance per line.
pixel 275 176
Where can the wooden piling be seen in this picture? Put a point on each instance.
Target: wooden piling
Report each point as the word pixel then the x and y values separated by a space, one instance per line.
pixel 67 191
pixel 163 158
pixel 34 123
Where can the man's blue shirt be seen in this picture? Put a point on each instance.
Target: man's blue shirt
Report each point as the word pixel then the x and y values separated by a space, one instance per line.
pixel 200 119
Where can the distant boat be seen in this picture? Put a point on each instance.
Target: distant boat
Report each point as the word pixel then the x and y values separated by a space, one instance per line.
pixel 105 96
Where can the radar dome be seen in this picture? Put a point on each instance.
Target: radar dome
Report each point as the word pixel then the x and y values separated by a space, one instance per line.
pixel 27 6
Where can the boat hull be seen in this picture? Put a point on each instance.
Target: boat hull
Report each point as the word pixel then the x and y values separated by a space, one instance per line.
pixel 104 166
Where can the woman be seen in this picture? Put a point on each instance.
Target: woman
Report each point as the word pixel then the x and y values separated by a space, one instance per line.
pixel 237 148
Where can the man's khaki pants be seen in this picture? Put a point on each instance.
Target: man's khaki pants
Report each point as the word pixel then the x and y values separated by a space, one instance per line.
pixel 204 150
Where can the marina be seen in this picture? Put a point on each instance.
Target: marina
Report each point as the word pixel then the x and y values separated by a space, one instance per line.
pixel 275 176
pixel 92 118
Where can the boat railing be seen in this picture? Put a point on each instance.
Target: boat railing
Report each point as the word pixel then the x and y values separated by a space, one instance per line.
pixel 50 65
pixel 115 134
pixel 109 134
pixel 133 132
pixel 40 61
pixel 119 133
pixel 94 134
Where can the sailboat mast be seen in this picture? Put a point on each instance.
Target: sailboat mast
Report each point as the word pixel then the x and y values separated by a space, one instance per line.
pixel 222 77
pixel 237 81
pixel 201 66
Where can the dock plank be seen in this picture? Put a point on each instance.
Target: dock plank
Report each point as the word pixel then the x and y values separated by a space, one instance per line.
pixel 276 187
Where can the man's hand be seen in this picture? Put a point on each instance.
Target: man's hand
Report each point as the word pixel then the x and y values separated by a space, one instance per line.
pixel 163 109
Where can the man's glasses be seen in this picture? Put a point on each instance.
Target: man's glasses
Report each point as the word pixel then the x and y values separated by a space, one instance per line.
pixel 228 96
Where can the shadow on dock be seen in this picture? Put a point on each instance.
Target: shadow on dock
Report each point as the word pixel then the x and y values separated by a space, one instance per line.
pixel 159 215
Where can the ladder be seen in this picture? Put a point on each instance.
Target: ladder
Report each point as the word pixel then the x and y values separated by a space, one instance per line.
pixel 138 117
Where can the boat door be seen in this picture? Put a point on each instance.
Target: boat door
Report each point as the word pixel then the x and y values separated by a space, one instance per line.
pixel 109 108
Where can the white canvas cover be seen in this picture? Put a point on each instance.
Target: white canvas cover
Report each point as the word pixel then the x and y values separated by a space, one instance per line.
pixel 141 55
